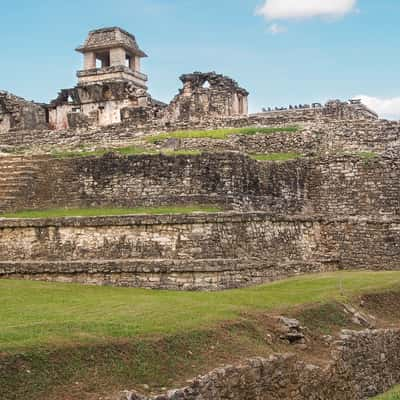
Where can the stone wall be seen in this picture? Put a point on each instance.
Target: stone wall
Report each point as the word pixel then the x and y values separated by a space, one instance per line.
pixel 325 135
pixel 333 109
pixel 97 104
pixel 363 187
pixel 193 252
pixel 318 138
pixel 17 113
pixel 336 213
pixel 363 365
pixel 207 95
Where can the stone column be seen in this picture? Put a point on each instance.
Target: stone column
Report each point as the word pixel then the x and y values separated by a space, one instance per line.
pixel 245 105
pixel 235 104
pixel 136 63
pixel 117 56
pixel 89 60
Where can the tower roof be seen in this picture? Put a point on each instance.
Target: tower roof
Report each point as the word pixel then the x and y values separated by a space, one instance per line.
pixel 106 38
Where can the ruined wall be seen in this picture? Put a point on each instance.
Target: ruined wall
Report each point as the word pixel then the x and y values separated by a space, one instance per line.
pixel 193 252
pixel 100 104
pixel 314 139
pixel 207 95
pixel 333 110
pixel 340 213
pixel 363 365
pixel 171 252
pixel 325 135
pixel 367 187
pixel 19 114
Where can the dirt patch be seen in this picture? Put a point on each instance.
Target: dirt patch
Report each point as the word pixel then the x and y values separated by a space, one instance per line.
pixel 385 306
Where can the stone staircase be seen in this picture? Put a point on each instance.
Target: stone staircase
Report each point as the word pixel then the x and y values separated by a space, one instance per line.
pixel 16 176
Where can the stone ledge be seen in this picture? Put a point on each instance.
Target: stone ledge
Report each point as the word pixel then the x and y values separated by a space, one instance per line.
pixel 152 266
pixel 186 219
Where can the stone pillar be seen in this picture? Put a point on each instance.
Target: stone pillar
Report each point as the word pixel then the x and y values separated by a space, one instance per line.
pixel 90 60
pixel 117 56
pixel 235 104
pixel 136 63
pixel 245 105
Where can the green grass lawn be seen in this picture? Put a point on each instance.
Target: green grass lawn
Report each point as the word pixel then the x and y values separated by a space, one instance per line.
pixel 275 156
pixel 126 151
pixel 35 313
pixel 392 395
pixel 219 133
pixel 97 212
pixel 89 342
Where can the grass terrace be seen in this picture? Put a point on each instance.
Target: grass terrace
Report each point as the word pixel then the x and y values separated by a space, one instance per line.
pixel 392 395
pixel 33 313
pixel 101 212
pixel 126 151
pixel 276 156
pixel 219 133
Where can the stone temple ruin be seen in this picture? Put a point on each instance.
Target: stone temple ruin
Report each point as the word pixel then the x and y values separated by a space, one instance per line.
pixel 110 81
pixel 330 203
pixel 112 89
pixel 327 209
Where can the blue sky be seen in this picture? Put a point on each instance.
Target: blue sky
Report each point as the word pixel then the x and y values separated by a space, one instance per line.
pixel 283 51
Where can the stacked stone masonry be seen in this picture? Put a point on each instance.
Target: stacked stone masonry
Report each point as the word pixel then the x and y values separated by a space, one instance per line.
pixel 357 228
pixel 325 136
pixel 208 252
pixel 362 187
pixel 17 114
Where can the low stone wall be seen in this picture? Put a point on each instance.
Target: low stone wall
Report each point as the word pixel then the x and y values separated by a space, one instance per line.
pixel 192 252
pixel 363 365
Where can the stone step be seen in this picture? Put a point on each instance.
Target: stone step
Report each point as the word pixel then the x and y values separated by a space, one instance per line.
pixel 17 168
pixel 15 173
pixel 11 184
pixel 25 158
pixel 8 192
pixel 14 182
pixel 6 200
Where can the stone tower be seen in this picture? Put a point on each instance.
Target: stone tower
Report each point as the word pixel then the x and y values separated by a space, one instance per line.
pixel 111 54
pixel 109 82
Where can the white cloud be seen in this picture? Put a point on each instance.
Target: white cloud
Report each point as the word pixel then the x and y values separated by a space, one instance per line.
pixel 386 108
pixel 297 9
pixel 276 29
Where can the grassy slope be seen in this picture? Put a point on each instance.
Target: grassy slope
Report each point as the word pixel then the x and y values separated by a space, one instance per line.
pixel 72 342
pixel 96 212
pixel 34 313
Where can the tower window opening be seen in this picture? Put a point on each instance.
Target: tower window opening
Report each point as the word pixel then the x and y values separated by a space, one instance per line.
pixel 128 61
pixel 103 60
